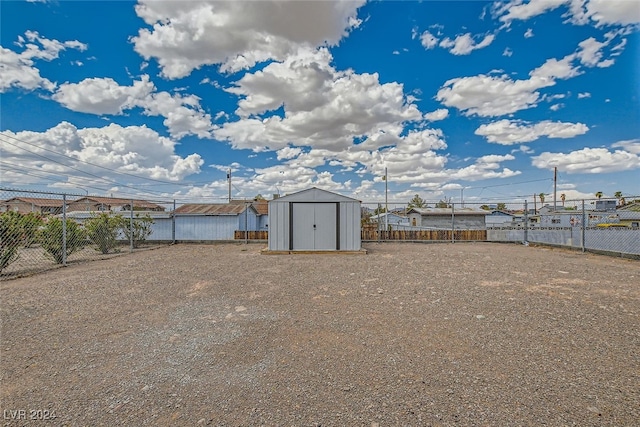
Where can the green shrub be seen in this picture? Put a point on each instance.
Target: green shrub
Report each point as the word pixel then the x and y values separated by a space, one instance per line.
pixel 10 237
pixel 51 238
pixel 30 224
pixel 103 230
pixel 141 228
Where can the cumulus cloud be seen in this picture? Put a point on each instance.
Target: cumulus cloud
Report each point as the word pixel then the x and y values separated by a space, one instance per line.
pixel 632 145
pixel 237 35
pixel 183 113
pixel 324 108
pixel 464 44
pixel 17 70
pixel 439 114
pixel 102 95
pixel 579 12
pixel 496 95
pixel 428 40
pixel 135 150
pixel 589 160
pixel 509 132
pixel 583 95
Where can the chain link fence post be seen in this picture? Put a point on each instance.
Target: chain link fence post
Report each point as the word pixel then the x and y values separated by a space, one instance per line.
pixel 131 227
pixel 173 223
pixel 584 227
pixel 526 223
pixel 453 224
pixel 64 229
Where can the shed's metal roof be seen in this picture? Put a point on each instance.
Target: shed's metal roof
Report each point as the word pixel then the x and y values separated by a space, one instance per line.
pixel 314 194
pixel 113 201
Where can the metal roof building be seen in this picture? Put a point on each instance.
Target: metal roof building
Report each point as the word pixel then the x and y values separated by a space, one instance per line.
pixel 314 220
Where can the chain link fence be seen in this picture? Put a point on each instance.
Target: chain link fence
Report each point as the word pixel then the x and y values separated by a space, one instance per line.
pixel 599 225
pixel 39 231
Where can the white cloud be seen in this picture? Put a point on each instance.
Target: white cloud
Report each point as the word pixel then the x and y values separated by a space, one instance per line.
pixel 556 107
pixel 621 12
pixel 183 114
pixel 589 160
pixel 465 44
pixel 102 95
pixel 237 35
pixel 583 95
pixel 324 108
pixel 488 96
pixel 507 52
pixel 492 95
pixel 517 10
pixel 137 150
pixel 428 40
pixel 579 12
pixel 17 69
pixel 509 132
pixel 632 145
pixel 462 44
pixel 528 34
pixel 439 114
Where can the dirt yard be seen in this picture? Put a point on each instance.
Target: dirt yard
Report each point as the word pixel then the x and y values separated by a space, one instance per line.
pixel 410 334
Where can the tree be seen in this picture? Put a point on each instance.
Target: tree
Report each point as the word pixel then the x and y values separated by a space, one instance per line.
pixel 485 208
pixel 599 195
pixel 501 206
pixel 140 231
pixel 541 195
pixel 443 204
pixel 51 239
pixel 258 197
pixel 563 197
pixel 103 230
pixel 618 195
pixel 416 202
pixel 379 210
pixel 10 237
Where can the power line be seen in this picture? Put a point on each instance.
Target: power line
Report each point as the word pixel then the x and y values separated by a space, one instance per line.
pixel 86 162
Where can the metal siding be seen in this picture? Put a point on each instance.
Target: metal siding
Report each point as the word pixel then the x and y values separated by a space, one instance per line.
pixel 350 237
pixel 206 227
pixel 303 222
pixel 279 226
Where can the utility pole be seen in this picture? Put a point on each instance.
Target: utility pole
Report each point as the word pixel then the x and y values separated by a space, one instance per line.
pixel 555 183
pixel 386 199
pixel 229 182
pixel 535 205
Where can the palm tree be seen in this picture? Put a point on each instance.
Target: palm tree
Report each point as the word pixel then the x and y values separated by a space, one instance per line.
pixel 541 195
pixel 563 197
pixel 618 195
pixel 599 195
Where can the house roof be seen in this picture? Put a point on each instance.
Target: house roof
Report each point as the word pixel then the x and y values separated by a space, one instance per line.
pixel 447 211
pixel 210 209
pixel 261 206
pixel 633 206
pixel 113 201
pixel 36 201
pixel 314 194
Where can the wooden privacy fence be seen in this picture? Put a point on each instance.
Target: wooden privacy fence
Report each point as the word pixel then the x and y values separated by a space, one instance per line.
pixel 252 235
pixel 445 235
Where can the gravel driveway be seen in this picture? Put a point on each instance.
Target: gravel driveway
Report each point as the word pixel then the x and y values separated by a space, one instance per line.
pixel 410 335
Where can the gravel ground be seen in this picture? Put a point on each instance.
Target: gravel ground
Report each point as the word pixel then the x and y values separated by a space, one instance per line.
pixel 410 334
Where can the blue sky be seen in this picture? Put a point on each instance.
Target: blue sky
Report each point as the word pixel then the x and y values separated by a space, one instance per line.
pixel 481 99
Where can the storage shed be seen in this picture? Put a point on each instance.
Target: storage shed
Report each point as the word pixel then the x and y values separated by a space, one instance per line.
pixel 314 220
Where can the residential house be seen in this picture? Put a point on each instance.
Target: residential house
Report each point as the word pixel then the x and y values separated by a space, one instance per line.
pixel 32 204
pixel 95 203
pixel 446 218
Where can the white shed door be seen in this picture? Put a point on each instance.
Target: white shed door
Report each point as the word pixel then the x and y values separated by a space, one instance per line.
pixel 314 226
